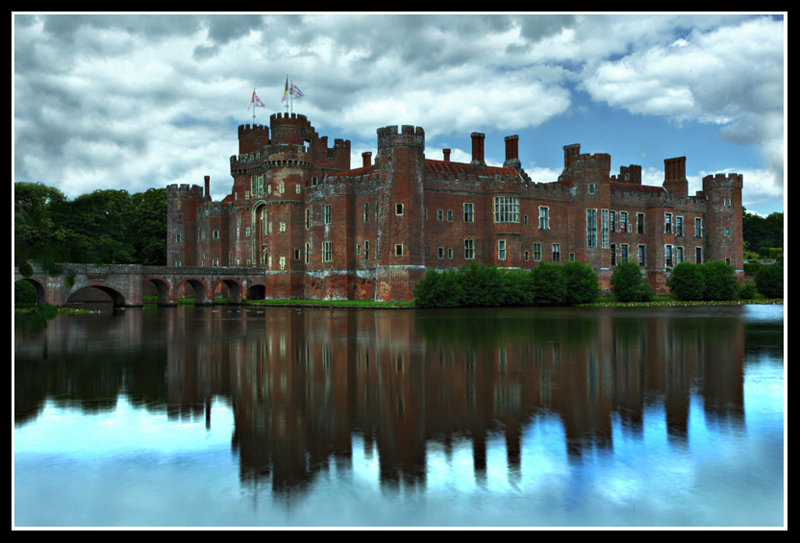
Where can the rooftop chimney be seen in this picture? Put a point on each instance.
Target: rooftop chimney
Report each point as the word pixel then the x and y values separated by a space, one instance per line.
pixel 512 152
pixel 367 158
pixel 208 187
pixel 477 149
pixel 446 155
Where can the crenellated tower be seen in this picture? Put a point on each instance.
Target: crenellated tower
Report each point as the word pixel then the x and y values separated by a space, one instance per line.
pixel 401 241
pixel 723 224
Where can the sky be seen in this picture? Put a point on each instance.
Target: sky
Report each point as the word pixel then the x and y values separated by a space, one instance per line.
pixel 145 100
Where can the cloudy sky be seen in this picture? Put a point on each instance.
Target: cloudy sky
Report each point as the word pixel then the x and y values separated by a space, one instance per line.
pixel 147 100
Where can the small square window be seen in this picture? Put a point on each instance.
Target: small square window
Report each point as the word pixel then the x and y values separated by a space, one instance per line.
pixel 398 209
pixel 398 250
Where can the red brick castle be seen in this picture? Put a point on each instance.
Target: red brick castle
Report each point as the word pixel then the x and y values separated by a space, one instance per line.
pixel 323 230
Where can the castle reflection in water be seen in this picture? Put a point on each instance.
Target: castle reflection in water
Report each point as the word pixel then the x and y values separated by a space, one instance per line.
pixel 303 382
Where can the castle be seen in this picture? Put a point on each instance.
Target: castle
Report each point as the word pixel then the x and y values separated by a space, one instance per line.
pixel 322 230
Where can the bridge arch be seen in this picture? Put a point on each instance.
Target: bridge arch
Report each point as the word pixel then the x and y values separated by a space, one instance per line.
pixel 162 286
pixel 235 289
pixel 256 292
pixel 40 292
pixel 202 293
pixel 117 298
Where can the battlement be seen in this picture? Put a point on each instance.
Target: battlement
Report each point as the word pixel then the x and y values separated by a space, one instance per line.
pixel 254 130
pixel 720 180
pixel 629 174
pixel 407 136
pixel 296 119
pixel 184 191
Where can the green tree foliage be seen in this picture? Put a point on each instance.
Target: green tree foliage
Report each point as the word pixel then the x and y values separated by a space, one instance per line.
pixel 762 232
pixel 549 285
pixel 103 227
pixel 720 284
pixel 476 285
pixel 769 281
pixel 583 286
pixel 628 284
pixel 687 282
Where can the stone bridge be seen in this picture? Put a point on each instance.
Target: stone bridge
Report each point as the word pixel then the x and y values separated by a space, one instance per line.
pixel 127 283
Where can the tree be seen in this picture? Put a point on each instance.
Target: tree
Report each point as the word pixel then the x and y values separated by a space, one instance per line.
pixel 720 283
pixel 687 282
pixel 581 281
pixel 628 284
pixel 769 281
pixel 549 285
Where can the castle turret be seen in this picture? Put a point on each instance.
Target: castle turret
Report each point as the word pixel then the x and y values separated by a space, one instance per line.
pixel 401 157
pixel 723 225
pixel 252 138
pixel 182 211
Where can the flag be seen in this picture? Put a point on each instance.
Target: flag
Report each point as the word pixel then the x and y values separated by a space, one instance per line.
pixel 255 101
pixel 285 90
pixel 295 91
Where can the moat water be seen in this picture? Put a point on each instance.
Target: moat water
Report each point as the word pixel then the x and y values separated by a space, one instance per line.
pixel 241 416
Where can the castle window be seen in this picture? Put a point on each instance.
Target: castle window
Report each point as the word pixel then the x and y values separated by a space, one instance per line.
pixel 449 216
pixel 297 254
pixel 679 226
pixel 308 252
pixel 727 202
pixel 623 252
pixel 247 232
pixel 469 213
pixel 308 218
pixel 441 252
pixel 501 249
pixel 450 253
pixel 327 251
pixel 604 228
pixel 678 255
pixel 366 212
pixel 297 188
pixel 613 254
pixel 698 227
pixel 623 221
pixel 667 223
pixel 668 256
pixel 698 255
pixel 640 223
pixel 591 228
pixel 283 227
pixel 282 261
pixel 526 256
pixel 727 231
pixel 469 249
pixel 366 250
pixel 506 209
pixel 591 188
pixel 537 252
pixel 544 218
pixel 215 234
pixel 398 209
pixel 398 250
pixel 439 214
pixel 642 253
pixel 612 221
pixel 215 262
pixel 178 238
pixel 313 181
pixel 328 214
pixel 556 252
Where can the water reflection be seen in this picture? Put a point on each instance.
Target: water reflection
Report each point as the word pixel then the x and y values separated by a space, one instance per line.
pixel 303 383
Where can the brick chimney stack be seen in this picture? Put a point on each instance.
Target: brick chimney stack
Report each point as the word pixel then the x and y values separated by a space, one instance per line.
pixel 477 149
pixel 446 153
pixel 367 159
pixel 512 152
pixel 207 179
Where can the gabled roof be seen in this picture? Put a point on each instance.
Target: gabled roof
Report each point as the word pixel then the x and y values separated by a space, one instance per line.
pixel 635 187
pixel 465 169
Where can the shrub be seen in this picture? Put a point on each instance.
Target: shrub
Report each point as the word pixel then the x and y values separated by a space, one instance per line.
pixel 769 281
pixel 549 285
pixel 687 282
pixel 720 284
pixel 439 289
pixel 582 285
pixel 518 288
pixel 482 285
pixel 628 284
pixel 747 291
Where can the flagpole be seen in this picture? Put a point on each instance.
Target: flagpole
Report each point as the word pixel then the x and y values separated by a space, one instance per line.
pixel 253 100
